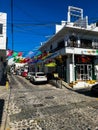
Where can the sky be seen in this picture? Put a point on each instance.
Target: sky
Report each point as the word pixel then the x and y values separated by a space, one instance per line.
pixel 34 20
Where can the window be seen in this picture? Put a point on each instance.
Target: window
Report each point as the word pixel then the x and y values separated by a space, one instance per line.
pixel 1 28
pixel 85 43
pixel 83 71
pixel 51 47
pixel 97 24
pixel 73 40
pixel 61 44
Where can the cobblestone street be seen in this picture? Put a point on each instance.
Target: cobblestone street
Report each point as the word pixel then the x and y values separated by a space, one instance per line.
pixel 45 107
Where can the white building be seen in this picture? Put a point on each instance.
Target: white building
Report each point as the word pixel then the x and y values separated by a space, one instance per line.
pixel 3 37
pixel 3 46
pixel 75 48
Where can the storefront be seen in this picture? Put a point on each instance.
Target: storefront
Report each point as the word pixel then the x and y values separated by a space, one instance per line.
pixel 84 68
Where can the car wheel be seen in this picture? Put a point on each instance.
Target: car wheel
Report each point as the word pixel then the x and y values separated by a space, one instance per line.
pixel 33 81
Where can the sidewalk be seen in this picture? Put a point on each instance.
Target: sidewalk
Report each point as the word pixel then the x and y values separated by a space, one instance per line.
pixel 80 85
pixel 60 84
pixel 4 100
pixel 84 85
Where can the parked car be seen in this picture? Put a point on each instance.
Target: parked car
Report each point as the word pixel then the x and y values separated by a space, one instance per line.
pixel 38 77
pixel 94 89
pixel 20 71
pixel 24 74
pixel 29 75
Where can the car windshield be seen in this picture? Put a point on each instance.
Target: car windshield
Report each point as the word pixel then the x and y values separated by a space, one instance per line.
pixel 40 74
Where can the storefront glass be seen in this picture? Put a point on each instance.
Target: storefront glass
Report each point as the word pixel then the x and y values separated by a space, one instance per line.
pixel 83 71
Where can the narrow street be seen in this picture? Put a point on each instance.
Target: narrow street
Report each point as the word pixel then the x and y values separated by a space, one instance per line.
pixel 45 107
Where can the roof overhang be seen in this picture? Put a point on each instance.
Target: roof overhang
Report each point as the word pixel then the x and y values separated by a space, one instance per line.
pixel 69 30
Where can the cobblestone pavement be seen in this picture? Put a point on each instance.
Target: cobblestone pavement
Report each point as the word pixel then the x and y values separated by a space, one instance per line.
pixel 45 107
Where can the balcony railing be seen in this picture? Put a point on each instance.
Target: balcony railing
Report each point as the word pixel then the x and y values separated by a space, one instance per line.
pixel 86 46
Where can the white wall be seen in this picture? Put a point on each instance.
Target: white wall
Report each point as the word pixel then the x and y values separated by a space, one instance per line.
pixel 3 18
pixel 71 72
pixel 59 27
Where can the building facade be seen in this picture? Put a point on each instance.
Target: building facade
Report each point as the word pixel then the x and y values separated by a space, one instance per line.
pixel 3 47
pixel 74 48
pixel 3 35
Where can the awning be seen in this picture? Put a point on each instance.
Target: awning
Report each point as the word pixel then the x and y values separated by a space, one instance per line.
pixel 52 64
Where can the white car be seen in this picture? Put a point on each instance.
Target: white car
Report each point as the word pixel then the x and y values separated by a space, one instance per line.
pixel 38 77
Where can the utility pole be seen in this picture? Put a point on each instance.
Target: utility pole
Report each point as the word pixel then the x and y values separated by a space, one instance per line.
pixel 12 24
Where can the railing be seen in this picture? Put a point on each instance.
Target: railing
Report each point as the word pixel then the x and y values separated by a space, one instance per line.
pixel 75 46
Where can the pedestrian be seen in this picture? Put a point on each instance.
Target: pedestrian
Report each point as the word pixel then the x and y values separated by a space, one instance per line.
pixel 1 68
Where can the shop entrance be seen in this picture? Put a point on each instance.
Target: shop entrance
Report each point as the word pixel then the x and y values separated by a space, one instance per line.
pixel 83 72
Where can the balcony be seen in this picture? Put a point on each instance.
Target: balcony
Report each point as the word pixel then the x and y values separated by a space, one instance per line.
pixel 75 45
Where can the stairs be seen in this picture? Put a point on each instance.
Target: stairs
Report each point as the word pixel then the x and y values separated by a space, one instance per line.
pixel 84 84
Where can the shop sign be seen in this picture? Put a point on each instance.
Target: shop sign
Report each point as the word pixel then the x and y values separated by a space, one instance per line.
pixel 90 52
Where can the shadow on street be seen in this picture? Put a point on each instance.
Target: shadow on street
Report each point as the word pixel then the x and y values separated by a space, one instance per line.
pixel 1 110
pixel 3 80
pixel 86 92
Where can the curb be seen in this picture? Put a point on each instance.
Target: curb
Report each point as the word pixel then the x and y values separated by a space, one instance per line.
pixel 60 84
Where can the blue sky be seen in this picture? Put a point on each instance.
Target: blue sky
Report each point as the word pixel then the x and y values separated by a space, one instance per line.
pixel 34 20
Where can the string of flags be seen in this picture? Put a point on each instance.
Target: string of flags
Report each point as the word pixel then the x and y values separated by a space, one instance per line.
pixel 31 57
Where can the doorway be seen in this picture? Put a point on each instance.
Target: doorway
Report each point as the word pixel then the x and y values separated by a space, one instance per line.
pixel 83 72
